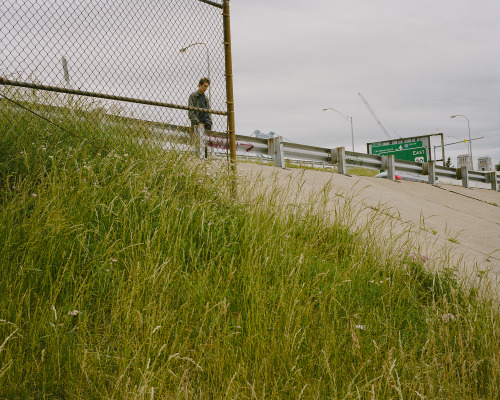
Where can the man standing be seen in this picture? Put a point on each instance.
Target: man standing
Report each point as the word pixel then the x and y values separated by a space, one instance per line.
pixel 199 100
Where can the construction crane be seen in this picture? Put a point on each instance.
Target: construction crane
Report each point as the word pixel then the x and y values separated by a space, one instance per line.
pixel 374 116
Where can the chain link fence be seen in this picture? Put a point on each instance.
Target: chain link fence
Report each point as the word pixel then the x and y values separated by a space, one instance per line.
pixel 113 71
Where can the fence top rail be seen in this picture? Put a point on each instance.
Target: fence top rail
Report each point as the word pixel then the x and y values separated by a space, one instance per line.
pixel 5 81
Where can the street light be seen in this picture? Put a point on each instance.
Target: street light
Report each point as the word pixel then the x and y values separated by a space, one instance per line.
pixel 183 50
pixel 470 143
pixel 347 117
pixel 462 140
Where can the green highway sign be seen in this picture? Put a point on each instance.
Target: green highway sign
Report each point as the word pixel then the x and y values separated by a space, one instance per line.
pixel 378 149
pixel 418 154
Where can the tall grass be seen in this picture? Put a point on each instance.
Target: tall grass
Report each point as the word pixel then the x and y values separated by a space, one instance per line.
pixel 137 275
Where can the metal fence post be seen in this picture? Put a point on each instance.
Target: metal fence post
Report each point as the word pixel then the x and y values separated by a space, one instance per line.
pixel 229 84
pixel 464 171
pixel 338 157
pixel 431 171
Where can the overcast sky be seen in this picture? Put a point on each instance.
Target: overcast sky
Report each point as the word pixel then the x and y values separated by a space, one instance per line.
pixel 416 63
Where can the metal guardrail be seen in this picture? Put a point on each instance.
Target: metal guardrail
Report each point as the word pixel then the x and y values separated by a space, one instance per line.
pixel 282 151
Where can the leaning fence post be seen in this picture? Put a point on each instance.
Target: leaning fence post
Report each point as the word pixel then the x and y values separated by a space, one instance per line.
pixel 431 171
pixel 276 150
pixel 464 172
pixel 338 157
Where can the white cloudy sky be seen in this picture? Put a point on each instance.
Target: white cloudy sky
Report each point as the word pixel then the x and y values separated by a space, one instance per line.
pixel 416 63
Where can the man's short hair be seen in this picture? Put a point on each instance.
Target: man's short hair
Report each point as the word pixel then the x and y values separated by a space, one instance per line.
pixel 203 81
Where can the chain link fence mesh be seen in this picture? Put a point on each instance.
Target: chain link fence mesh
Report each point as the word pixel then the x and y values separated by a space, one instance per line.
pixel 113 71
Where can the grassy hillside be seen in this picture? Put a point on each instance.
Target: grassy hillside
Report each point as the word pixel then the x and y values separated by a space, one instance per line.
pixel 134 274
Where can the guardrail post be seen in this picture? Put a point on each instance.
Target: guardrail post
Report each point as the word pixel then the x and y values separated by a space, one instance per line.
pixel 338 157
pixel 464 173
pixel 276 150
pixel 389 164
pixel 391 170
pixel 200 140
pixel 491 177
pixel 431 171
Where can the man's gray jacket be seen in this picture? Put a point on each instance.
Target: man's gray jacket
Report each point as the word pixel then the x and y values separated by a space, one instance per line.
pixel 197 116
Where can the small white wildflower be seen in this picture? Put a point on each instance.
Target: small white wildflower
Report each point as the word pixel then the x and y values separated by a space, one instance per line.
pixel 447 317
pixel 34 194
pixel 74 312
pixel 361 327
pixel 114 260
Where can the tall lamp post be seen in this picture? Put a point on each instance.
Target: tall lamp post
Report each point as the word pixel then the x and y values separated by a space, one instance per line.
pixel 470 143
pixel 183 50
pixel 347 117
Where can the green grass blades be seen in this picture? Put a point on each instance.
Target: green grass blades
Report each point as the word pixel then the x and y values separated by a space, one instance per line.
pixel 136 274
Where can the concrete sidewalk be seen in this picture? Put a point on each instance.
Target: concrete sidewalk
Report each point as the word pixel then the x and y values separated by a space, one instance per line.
pixel 453 225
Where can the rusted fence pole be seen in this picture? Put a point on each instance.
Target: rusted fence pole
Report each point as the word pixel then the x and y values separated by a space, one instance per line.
pixel 229 85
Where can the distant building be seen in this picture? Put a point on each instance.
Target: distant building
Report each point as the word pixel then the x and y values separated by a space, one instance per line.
pixel 464 160
pixel 261 135
pixel 484 164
